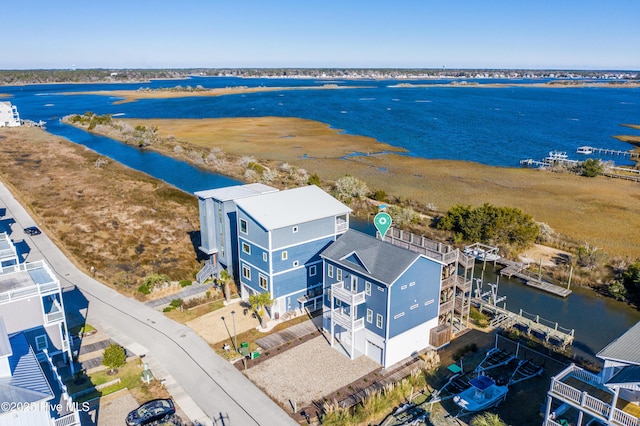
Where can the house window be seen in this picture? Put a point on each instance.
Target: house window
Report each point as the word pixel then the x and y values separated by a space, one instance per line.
pixel 246 272
pixel 330 271
pixel 339 274
pixel 295 263
pixel 414 306
pixel 246 248
pixel 367 288
pixel 295 229
pixel 380 288
pixel 285 255
pixel 312 270
pixel 378 320
pixel 396 316
pixel 262 281
pixel 404 287
pixel 354 284
pixel 428 302
pixel 369 316
pixel 243 226
pixel 41 342
pixel 412 283
pixel 264 256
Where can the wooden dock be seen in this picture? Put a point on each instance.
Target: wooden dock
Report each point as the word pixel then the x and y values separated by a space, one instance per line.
pixel 518 269
pixel 613 152
pixel 550 331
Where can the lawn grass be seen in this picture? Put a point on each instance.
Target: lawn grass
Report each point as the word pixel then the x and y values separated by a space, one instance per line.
pixel 129 375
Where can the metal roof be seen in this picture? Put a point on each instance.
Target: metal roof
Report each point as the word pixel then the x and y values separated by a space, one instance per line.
pixel 228 193
pixel 625 348
pixel 27 383
pixel 382 261
pixel 291 207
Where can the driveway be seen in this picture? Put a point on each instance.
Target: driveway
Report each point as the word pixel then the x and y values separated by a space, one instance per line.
pixel 216 386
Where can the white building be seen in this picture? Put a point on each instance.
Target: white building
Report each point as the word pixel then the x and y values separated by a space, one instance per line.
pixel 9 116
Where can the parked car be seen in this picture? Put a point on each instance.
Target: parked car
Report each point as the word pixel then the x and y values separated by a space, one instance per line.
pixel 32 230
pixel 151 411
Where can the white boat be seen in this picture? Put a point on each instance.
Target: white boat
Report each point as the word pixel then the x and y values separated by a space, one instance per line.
pixel 482 252
pixel 584 150
pixel 484 393
pixel 557 155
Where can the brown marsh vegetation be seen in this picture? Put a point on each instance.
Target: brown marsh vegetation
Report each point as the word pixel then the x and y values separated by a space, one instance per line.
pixel 120 221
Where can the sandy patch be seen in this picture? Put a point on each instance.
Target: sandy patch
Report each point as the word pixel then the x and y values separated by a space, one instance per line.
pixel 290 375
pixel 549 256
pixel 212 328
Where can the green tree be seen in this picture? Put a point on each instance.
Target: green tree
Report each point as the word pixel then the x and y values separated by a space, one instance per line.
pixel 114 357
pixel 591 167
pixel 350 187
pixel 258 302
pixel 225 278
pixel 490 225
pixel 631 280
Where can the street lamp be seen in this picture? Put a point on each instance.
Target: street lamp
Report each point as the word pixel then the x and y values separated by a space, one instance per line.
pixel 235 336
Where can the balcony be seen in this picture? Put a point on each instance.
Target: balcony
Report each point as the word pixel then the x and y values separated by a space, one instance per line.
pixel 345 296
pixel 585 391
pixel 346 321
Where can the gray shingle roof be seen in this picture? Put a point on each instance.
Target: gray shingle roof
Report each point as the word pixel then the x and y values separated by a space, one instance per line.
pixel 625 348
pixel 382 261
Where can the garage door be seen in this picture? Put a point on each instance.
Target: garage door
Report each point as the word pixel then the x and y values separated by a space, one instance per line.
pixel 374 352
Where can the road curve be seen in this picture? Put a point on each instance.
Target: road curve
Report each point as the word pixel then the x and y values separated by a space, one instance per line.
pixel 217 387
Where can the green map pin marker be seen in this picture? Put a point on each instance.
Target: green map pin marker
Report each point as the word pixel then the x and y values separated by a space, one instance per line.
pixel 382 222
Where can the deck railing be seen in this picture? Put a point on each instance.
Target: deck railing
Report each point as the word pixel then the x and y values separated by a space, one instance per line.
pixel 346 296
pixel 346 321
pixel 586 402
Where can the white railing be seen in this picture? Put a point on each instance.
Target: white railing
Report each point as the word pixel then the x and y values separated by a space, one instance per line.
pixel 346 321
pixel 596 405
pixel 71 419
pixel 45 288
pixel 550 422
pixel 54 317
pixel 620 417
pixel 566 391
pixel 341 226
pixel 339 292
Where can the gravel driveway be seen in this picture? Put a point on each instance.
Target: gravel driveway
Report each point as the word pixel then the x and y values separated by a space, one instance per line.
pixel 308 372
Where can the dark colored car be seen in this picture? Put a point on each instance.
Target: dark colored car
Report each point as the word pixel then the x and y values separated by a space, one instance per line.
pixel 150 412
pixel 32 230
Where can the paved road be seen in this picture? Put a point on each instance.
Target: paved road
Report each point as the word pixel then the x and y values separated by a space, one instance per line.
pixel 222 392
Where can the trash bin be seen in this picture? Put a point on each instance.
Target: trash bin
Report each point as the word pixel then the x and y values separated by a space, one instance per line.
pixel 244 345
pixel 255 354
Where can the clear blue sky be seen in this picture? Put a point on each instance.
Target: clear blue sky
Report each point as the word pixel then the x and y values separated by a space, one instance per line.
pixel 558 34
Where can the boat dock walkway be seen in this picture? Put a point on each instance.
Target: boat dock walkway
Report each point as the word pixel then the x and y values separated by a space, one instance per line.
pixel 518 269
pixel 531 323
pixel 613 152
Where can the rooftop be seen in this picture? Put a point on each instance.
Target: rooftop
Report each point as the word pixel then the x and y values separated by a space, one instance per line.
pixel 625 348
pixel 276 210
pixel 26 275
pixel 236 192
pixel 371 256
pixel 27 383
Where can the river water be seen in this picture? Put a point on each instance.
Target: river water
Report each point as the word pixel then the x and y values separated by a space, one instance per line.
pixel 596 320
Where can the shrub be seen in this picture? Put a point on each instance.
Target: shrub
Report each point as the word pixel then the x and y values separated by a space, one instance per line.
pixel 114 357
pixel 185 283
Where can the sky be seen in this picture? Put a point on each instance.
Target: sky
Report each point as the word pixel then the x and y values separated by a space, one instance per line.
pixel 116 34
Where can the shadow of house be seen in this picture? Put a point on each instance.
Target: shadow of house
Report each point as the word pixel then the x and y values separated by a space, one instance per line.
pixel 23 249
pixel 196 242
pixel 5 225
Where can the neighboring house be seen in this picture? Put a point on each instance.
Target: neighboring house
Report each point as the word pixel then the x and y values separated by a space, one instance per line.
pixel 8 252
pixel 27 396
pixel 611 397
pixel 280 237
pixel 218 227
pixel 31 303
pixel 386 301
pixel 9 116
